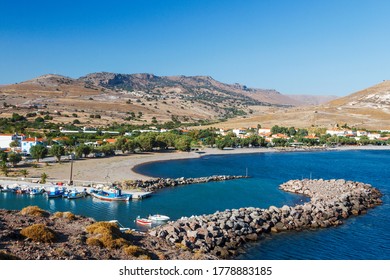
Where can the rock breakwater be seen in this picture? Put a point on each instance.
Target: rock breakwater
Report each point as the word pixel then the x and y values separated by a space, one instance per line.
pixel 160 183
pixel 223 233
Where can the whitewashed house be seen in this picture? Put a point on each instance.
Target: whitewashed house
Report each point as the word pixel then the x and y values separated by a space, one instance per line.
pixel 7 139
pixel 239 132
pixel 27 143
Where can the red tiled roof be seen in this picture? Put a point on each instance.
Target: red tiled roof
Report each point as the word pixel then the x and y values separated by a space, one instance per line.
pixel 33 139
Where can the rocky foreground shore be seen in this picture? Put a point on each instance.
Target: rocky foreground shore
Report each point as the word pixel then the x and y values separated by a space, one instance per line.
pixel 36 234
pixel 222 234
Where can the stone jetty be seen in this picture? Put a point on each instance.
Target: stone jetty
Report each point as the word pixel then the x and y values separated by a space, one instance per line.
pixel 222 234
pixel 160 183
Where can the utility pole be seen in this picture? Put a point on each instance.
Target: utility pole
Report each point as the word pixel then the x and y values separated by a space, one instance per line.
pixel 71 170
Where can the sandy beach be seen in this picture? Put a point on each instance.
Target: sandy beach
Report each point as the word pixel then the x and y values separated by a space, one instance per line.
pixel 120 167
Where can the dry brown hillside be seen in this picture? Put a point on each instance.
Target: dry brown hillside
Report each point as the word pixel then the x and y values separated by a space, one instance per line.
pixel 135 98
pixel 368 108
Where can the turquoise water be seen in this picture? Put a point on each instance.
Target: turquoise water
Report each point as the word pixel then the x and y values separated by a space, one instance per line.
pixel 363 237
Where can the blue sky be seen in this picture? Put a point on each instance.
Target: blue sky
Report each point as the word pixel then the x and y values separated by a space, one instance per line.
pixel 295 47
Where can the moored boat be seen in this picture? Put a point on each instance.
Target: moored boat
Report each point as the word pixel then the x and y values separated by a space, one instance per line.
pixel 112 194
pixel 36 191
pixel 74 194
pixel 55 192
pixel 157 218
pixel 143 221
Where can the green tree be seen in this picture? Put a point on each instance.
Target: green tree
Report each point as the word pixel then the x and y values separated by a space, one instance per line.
pixel 24 172
pixel 3 156
pixel 146 141
pixel 82 150
pixel 14 144
pixel 4 168
pixel 57 151
pixel 14 158
pixel 38 152
pixel 364 140
pixel 120 144
pixel 183 143
pixel 43 178
pixel 131 145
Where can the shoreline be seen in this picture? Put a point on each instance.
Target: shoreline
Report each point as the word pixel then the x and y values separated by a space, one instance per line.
pixel 122 167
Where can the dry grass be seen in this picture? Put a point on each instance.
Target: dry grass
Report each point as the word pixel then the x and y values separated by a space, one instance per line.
pixel 39 233
pixel 34 211
pixel 108 234
pixel 137 252
pixel 92 241
pixel 67 215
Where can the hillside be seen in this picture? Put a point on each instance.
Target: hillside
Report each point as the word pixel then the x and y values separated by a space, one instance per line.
pixel 312 100
pixel 136 98
pixel 368 108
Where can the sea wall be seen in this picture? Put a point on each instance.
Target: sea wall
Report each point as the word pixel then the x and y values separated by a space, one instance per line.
pixel 223 233
pixel 160 183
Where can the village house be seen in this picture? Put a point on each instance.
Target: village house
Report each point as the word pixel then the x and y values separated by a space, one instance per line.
pixel 7 139
pixel 264 131
pixel 336 132
pixel 239 132
pixel 27 143
pixel 373 136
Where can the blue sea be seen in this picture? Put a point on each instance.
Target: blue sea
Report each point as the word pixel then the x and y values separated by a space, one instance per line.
pixel 362 237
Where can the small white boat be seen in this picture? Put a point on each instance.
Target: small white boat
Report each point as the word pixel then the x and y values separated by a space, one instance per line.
pixel 143 221
pixel 157 218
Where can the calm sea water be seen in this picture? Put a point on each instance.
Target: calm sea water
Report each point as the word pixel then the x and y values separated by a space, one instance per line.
pixel 363 237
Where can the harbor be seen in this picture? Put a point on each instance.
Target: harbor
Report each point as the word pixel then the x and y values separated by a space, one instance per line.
pixel 87 186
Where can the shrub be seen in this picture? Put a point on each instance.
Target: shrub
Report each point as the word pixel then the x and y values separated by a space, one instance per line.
pixel 133 250
pixel 67 215
pixel 39 233
pixel 34 211
pixel 93 241
pixel 108 234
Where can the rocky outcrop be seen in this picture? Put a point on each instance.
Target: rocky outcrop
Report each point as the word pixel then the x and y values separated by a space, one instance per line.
pixel 160 183
pixel 223 233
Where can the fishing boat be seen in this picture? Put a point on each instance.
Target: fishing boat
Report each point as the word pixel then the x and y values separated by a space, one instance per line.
pixel 143 221
pixel 157 218
pixel 36 191
pixel 55 192
pixel 112 194
pixel 74 194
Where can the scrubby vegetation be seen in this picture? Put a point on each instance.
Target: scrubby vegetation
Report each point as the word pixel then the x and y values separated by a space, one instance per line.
pixel 106 234
pixel 67 215
pixel 34 211
pixel 39 233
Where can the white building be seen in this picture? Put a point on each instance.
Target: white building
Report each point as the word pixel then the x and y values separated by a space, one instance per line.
pixel 6 139
pixel 239 131
pixel 27 143
pixel 336 132
pixel 361 133
pixel 373 136
pixel 264 131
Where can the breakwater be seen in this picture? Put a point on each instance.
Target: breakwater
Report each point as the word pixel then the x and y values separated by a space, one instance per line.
pixel 223 233
pixel 160 183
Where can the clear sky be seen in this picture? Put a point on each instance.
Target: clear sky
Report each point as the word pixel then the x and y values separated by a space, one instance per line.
pixel 296 47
